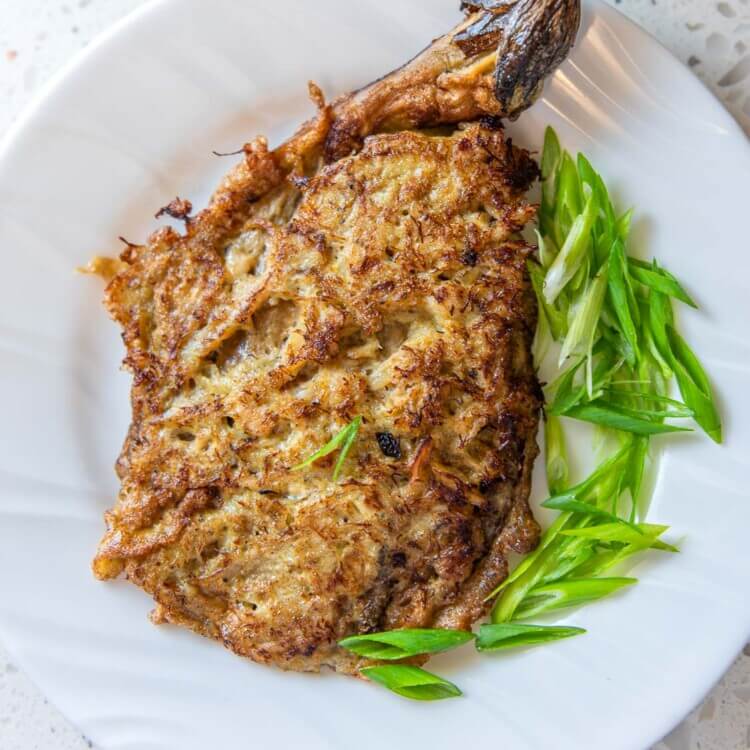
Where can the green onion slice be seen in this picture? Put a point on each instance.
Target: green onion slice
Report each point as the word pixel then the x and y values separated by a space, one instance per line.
pixel 570 593
pixel 555 454
pixel 406 642
pixel 499 636
pixel 605 414
pixel 344 439
pixel 411 682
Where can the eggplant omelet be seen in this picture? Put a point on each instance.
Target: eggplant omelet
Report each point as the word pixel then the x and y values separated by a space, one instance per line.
pixel 368 271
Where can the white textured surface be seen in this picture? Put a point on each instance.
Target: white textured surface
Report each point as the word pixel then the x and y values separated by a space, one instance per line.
pixel 36 37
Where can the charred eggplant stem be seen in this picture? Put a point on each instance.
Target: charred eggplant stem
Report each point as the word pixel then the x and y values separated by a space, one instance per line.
pixel 493 63
pixel 532 36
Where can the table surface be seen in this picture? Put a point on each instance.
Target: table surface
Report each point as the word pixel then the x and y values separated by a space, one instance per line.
pixel 712 37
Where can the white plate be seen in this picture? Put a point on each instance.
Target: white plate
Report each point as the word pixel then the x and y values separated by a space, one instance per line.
pixel 131 125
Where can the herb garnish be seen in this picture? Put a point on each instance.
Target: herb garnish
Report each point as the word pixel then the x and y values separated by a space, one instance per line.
pixel 401 644
pixel 412 682
pixel 511 635
pixel 612 316
pixel 343 439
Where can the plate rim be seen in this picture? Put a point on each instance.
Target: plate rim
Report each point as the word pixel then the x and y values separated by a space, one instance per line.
pixel 736 139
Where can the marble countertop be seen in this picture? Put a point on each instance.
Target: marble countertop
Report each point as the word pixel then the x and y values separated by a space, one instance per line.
pixel 712 37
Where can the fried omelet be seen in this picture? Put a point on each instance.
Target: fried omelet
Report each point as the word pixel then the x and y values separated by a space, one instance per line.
pixel 396 291
pixel 351 274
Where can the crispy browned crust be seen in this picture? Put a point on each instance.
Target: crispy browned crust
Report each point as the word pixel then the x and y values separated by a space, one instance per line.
pixel 391 286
